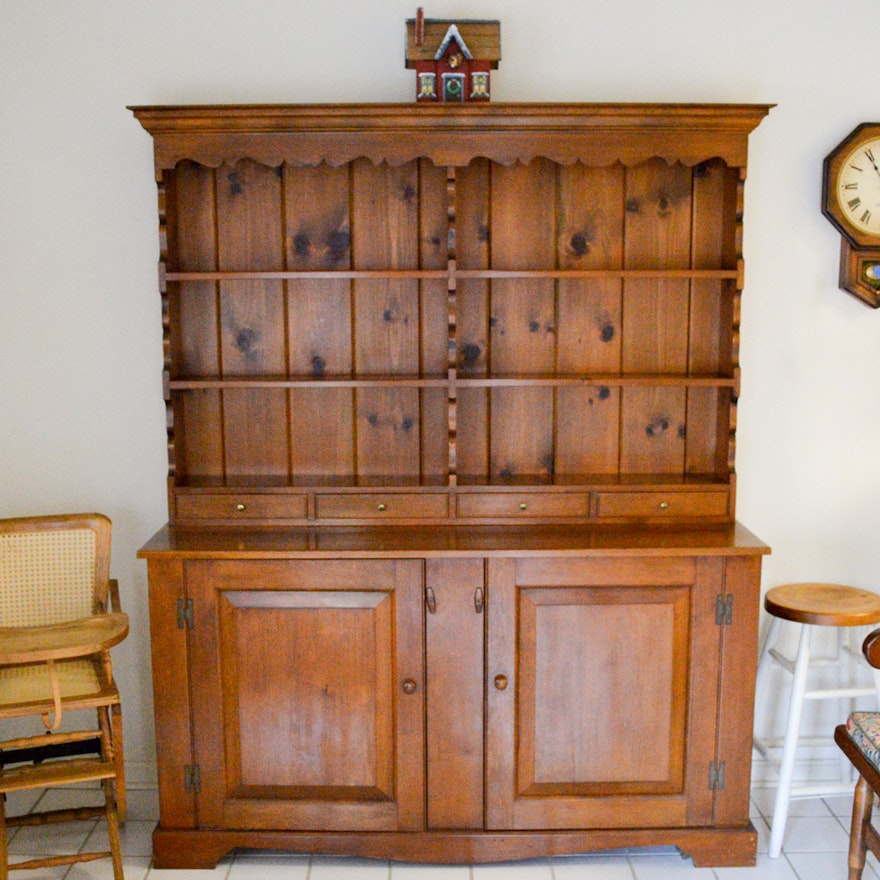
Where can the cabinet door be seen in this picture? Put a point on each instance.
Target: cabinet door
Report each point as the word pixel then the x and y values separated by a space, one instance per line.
pixel 307 691
pixel 603 684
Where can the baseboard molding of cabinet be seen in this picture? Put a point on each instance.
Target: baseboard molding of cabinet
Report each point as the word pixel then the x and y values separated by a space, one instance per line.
pixel 707 847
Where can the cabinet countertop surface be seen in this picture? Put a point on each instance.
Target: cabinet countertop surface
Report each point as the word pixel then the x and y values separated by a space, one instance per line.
pixel 420 541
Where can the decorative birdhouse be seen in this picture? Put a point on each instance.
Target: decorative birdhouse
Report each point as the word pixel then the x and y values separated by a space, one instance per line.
pixel 452 59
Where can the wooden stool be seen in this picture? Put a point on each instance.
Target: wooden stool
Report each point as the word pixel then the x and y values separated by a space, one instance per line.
pixel 809 605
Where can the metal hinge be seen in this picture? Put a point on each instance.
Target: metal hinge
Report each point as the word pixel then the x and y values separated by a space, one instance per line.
pixel 192 779
pixel 185 614
pixel 716 776
pixel 724 609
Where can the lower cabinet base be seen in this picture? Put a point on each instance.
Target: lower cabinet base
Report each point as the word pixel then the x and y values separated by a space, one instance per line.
pixel 708 847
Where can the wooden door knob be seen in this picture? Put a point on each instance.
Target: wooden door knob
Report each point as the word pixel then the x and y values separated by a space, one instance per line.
pixel 409 686
pixel 500 682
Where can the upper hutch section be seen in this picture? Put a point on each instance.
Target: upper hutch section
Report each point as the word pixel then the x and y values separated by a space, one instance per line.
pixel 473 313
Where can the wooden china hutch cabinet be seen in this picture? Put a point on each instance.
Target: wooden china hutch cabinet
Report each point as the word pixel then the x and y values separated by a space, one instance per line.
pixel 452 571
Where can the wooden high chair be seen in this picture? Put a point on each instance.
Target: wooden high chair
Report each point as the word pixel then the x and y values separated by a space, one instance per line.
pixel 56 631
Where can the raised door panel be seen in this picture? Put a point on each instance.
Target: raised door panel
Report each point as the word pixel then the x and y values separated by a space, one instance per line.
pixel 308 706
pixel 603 688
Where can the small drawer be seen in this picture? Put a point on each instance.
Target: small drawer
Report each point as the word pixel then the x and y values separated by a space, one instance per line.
pixel 381 506
pixel 523 504
pixel 661 504
pixel 241 507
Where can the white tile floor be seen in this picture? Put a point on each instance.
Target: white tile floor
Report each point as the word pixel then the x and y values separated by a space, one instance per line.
pixel 815 846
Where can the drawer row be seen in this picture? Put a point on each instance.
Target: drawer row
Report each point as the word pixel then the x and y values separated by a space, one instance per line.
pixel 379 506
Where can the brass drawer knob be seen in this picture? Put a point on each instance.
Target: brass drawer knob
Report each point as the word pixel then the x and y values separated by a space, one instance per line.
pixel 409 686
pixel 240 506
pixel 524 506
pixel 664 505
pixel 500 682
pixel 381 507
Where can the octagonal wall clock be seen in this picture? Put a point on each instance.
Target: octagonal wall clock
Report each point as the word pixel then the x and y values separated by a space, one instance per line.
pixel 851 201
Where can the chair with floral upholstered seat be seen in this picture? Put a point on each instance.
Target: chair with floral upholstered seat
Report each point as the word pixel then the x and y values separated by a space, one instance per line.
pixel 859 738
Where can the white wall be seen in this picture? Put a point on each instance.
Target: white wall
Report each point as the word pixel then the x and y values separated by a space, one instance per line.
pixel 81 412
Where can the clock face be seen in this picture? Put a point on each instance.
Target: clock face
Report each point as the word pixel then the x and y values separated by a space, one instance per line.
pixel 858 187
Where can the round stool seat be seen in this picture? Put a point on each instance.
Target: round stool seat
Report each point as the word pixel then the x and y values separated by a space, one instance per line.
pixel 823 604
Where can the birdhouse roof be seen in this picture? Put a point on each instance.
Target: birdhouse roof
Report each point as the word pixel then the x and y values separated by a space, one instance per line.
pixel 477 39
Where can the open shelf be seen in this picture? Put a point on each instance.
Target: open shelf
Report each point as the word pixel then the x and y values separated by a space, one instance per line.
pixel 539 326
pixel 465 381
pixel 470 482
pixel 452 273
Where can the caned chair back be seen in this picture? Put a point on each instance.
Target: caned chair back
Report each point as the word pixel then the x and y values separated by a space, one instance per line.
pixel 53 569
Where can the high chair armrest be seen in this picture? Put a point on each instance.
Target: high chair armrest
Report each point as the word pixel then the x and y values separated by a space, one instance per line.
pixel 113 593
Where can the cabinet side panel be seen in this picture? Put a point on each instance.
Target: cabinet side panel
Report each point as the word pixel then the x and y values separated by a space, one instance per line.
pixel 700 744
pixel 455 694
pixel 171 693
pixel 251 237
pixel 736 705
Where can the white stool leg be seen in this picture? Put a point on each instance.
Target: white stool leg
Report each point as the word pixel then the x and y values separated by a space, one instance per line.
pixel 789 748
pixel 847 673
pixel 765 660
pixel 845 678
